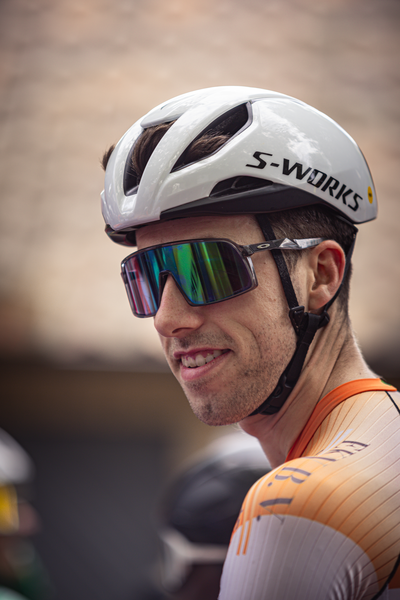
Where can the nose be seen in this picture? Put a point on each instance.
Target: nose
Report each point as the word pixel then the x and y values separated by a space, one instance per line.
pixel 175 317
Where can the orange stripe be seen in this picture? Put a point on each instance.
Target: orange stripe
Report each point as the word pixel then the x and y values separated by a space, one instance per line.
pixel 248 502
pixel 328 403
pixel 251 503
pixel 248 507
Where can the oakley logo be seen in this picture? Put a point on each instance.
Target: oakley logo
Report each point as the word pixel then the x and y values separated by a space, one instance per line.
pixel 263 246
pixel 315 177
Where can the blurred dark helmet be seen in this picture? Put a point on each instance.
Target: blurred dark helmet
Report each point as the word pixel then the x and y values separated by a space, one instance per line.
pixel 200 509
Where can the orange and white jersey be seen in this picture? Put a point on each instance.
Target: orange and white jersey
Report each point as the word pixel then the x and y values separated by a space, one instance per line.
pixel 325 525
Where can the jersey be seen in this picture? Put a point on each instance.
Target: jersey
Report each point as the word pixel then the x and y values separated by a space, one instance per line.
pixel 325 525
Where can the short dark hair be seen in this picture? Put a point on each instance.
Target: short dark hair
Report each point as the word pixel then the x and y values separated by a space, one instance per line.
pixel 315 221
pixel 106 156
pixel 302 222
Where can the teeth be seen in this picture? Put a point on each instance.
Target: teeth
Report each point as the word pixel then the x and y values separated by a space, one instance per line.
pixel 199 360
pixel 190 361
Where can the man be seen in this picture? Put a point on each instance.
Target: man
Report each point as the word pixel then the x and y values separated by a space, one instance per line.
pixel 201 184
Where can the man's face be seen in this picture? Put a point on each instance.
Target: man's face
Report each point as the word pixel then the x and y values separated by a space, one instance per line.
pixel 247 341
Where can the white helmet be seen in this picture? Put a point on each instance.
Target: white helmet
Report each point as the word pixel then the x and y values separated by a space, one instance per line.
pixel 284 154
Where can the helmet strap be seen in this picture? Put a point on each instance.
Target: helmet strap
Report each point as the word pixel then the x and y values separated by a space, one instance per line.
pixel 305 325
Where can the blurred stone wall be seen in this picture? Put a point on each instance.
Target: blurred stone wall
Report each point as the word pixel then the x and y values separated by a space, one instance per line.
pixel 74 75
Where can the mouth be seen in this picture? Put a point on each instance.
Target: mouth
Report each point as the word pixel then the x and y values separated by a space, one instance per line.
pixel 199 359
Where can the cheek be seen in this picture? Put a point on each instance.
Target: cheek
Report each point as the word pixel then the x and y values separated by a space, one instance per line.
pixel 268 311
pixel 271 326
pixel 270 300
pixel 259 317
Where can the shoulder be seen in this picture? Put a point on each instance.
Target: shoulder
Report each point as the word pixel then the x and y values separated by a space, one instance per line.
pixel 325 524
pixel 350 466
pixel 306 531
pixel 284 547
pixel 311 487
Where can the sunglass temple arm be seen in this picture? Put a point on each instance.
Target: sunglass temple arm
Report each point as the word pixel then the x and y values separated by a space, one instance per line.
pixel 282 244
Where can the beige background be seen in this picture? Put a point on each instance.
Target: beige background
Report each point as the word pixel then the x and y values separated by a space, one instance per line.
pixel 75 74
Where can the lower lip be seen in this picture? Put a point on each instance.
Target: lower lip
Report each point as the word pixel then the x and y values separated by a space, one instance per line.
pixel 191 373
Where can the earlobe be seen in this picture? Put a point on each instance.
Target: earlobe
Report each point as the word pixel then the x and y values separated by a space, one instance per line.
pixel 327 262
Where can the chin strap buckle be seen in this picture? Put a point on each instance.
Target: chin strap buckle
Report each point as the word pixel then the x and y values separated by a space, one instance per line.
pixel 324 319
pixel 296 315
pixel 299 319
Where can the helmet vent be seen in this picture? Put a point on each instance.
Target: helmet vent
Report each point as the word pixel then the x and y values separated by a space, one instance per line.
pixel 237 185
pixel 216 135
pixel 137 160
pixel 131 179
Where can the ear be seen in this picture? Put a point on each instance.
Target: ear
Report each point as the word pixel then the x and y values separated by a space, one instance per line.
pixel 326 263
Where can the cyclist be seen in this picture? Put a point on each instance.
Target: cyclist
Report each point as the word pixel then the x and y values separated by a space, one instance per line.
pixel 198 512
pixel 243 205
pixel 22 574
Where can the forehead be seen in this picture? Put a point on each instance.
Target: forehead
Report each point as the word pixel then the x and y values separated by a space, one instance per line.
pixel 242 229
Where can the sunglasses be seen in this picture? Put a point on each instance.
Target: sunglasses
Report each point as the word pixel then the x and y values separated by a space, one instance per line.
pixel 206 271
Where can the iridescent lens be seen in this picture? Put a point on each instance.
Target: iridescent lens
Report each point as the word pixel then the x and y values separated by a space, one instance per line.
pixel 205 271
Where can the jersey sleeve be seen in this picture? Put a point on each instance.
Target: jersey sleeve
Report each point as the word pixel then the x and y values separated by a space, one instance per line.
pixel 298 534
pixel 326 524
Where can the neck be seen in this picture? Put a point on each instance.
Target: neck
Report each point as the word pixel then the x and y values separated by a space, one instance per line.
pixel 333 359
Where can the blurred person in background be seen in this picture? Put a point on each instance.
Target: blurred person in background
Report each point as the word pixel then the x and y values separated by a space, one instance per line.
pixel 243 205
pixel 197 514
pixel 22 574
